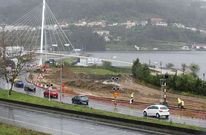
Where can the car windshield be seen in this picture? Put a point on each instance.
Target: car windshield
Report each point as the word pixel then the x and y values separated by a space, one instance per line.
pixel 84 98
pixel 164 108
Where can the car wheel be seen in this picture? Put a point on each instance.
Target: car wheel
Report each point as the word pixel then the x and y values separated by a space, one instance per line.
pixel 157 115
pixel 145 114
pixel 167 116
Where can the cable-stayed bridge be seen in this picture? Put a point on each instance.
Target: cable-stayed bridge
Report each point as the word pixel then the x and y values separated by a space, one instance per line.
pixel 39 31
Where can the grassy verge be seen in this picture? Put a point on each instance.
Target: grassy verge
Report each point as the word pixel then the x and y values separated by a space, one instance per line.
pixel 93 70
pixel 101 70
pixel 41 101
pixel 11 130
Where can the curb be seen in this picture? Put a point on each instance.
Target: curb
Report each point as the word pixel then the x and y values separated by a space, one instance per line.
pixel 128 124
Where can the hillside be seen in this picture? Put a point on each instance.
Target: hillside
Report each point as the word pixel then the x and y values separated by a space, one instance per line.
pixel 188 12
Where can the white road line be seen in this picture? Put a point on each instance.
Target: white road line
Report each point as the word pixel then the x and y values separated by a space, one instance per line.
pixel 52 129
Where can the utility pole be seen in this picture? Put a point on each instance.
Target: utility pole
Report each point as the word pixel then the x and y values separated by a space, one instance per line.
pixel 61 82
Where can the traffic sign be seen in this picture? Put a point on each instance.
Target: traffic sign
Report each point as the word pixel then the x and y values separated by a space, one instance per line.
pixel 115 94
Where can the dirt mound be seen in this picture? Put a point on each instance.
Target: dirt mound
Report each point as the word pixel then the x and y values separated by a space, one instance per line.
pixel 89 85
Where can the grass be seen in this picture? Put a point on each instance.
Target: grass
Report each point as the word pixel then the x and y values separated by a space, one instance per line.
pixel 93 70
pixel 45 102
pixel 11 130
pixel 68 61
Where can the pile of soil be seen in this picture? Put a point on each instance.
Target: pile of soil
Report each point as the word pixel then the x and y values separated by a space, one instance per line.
pixel 89 85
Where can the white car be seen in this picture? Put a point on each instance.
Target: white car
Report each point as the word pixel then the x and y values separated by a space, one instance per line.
pixel 157 111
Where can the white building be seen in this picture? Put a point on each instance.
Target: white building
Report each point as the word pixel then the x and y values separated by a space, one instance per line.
pixel 89 61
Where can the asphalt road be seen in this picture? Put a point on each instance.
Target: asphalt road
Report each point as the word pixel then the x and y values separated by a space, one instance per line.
pixel 109 107
pixel 57 124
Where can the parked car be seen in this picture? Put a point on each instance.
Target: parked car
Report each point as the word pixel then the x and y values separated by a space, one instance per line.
pixel 80 100
pixel 30 87
pixel 157 111
pixel 51 93
pixel 50 62
pixel 19 84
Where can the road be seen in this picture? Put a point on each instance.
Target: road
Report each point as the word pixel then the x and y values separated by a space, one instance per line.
pixel 57 124
pixel 109 107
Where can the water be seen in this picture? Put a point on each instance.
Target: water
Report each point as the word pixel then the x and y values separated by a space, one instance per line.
pixel 157 57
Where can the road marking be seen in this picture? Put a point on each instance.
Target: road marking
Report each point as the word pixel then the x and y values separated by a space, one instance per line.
pixel 52 129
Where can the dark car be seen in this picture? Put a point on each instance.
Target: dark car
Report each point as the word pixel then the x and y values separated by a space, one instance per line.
pixel 50 62
pixel 80 100
pixel 51 93
pixel 19 84
pixel 30 88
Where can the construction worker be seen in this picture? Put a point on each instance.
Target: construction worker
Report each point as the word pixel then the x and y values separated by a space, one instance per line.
pixel 131 98
pixel 179 102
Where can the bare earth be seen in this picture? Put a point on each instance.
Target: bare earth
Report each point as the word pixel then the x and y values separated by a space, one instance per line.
pixel 143 95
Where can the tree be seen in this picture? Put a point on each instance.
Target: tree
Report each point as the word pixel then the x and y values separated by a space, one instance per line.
pixel 183 66
pixel 11 73
pixel 106 64
pixel 10 52
pixel 139 71
pixel 194 68
pixel 169 65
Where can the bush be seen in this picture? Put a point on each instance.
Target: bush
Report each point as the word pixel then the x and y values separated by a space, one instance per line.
pixel 183 83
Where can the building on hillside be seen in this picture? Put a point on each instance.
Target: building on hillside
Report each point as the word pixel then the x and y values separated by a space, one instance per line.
pixel 102 32
pixel 97 23
pixel 81 23
pixel 129 24
pixel 178 25
pixel 158 21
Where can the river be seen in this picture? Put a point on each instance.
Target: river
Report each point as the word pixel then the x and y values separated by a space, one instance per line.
pixel 157 57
